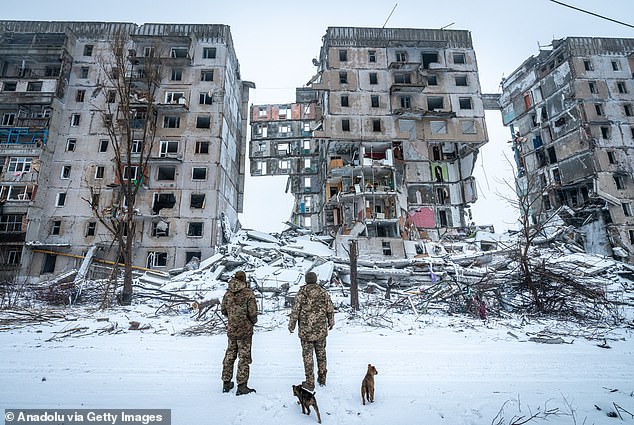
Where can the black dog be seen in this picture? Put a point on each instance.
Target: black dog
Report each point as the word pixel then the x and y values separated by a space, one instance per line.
pixel 306 399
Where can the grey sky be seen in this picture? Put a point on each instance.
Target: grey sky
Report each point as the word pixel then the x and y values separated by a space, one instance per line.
pixel 276 41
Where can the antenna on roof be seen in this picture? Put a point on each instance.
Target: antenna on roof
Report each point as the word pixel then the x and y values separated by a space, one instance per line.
pixel 447 26
pixel 390 15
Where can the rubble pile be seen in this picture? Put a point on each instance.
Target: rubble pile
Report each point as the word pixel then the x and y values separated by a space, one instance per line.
pixel 454 276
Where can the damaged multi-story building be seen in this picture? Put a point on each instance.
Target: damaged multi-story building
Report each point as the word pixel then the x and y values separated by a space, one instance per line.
pixel 58 156
pixel 382 143
pixel 571 114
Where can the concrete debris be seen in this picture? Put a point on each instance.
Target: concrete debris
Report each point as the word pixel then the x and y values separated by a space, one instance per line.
pixel 481 274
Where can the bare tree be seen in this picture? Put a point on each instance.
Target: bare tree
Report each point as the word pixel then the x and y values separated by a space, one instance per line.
pixel 128 109
pixel 530 190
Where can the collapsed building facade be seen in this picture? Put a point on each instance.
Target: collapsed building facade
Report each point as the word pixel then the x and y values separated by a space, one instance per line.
pixel 382 143
pixel 58 155
pixel 571 114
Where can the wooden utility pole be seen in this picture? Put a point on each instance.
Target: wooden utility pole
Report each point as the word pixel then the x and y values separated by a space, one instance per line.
pixel 354 287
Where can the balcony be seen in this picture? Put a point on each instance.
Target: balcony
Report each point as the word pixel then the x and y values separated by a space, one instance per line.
pixel 23 136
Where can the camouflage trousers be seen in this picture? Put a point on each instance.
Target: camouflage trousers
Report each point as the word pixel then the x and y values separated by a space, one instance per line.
pixel 319 348
pixel 237 348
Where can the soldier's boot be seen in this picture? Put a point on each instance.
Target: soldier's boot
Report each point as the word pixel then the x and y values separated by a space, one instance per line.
pixel 226 386
pixel 321 380
pixel 243 389
pixel 308 386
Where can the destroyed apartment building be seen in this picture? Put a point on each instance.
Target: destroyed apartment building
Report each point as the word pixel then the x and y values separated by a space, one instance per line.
pixel 57 149
pixel 571 114
pixel 381 144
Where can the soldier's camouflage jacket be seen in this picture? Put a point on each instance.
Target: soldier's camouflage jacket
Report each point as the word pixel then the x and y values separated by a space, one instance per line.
pixel 313 312
pixel 239 305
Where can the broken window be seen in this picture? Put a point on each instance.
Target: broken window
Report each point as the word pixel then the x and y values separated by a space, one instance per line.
pixel 177 74
pixel 374 101
pixel 175 97
pixel 11 223
pixel 343 77
pixel 459 58
pixel 616 65
pixel 20 164
pixel 70 145
pixel 136 146
pixel 432 80
pixel 56 227
pixel 556 175
pixel 429 58
pixel 60 201
pixel 344 100
pixel 552 155
pixel 345 125
pixel 94 200
pixel 627 208
pixel 598 108
pixel 387 248
pixel 438 127
pixel 611 157
pixel 402 78
pixel 605 132
pixel 48 265
pixel 436 152
pixel 178 52
pixel 103 145
pixel 199 173
pixel 468 126
pixel 587 65
pixel 9 86
pixel 197 200
pixel 461 80
pixel 163 200
pixel 592 86
pixel 442 195
pixel 130 172
pixel 628 110
pixel 202 147
pixel 74 120
pixel 160 228
pixel 376 125
pixel 621 87
pixel 207 75
pixel 80 95
pixel 282 149
pixel 91 228
pixel 156 259
pixel 168 148
pixel 195 229
pixel 166 173
pixel 112 96
pixel 205 99
pixel 619 181
pixel 374 79
pixel 171 122
pixel 343 55
pixel 435 102
pixel 401 56
pixel 546 202
pixel 406 102
pixel 372 56
pixel 88 49
pixel 65 172
pixel 443 218
pixel 209 52
pixel 190 255
pixel 465 103
pixel 100 171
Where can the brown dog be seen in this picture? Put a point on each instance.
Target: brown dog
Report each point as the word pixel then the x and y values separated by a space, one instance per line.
pixel 367 386
pixel 306 399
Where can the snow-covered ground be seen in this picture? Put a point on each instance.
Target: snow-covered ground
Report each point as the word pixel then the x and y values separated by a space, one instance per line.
pixel 433 369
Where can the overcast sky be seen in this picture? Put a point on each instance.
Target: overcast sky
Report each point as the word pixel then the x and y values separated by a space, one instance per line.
pixel 276 42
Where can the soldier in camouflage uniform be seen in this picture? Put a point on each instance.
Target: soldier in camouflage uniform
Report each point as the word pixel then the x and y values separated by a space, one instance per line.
pixel 241 310
pixel 314 312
